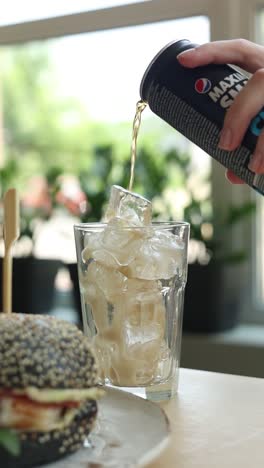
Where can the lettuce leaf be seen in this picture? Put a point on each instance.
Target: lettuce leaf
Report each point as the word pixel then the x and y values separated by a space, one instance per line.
pixel 10 441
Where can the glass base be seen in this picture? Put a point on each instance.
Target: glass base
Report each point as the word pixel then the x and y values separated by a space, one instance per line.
pixel 157 393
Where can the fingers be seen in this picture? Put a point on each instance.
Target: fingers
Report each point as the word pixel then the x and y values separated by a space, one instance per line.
pixel 239 52
pixel 238 118
pixel 233 178
pixel 257 160
pixel 247 104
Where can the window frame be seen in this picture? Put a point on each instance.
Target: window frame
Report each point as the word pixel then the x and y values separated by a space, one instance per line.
pixel 134 14
pixel 228 19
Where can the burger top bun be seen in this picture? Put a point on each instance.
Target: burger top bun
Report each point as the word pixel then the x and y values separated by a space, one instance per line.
pixel 44 352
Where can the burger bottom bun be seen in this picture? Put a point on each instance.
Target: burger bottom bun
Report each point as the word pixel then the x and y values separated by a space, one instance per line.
pixel 38 448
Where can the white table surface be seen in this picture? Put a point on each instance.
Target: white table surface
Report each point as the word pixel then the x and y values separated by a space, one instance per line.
pixel 217 421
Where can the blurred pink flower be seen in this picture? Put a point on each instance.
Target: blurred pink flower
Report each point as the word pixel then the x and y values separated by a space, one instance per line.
pixel 71 195
pixel 40 197
pixel 37 196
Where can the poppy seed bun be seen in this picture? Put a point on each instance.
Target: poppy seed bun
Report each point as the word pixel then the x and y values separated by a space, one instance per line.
pixel 44 352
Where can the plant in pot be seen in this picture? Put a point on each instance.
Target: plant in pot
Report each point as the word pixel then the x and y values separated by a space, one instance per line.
pixel 36 259
pixel 212 303
pixel 33 278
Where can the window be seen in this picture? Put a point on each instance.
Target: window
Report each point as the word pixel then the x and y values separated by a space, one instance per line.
pixel 89 36
pixel 106 71
pixel 69 97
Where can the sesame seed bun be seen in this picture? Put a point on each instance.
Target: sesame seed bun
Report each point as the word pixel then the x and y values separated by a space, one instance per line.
pixel 46 353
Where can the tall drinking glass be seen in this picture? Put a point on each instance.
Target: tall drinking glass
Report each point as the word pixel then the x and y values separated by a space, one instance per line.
pixel 132 282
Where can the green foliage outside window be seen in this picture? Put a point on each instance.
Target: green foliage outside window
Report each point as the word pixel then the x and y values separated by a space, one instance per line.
pixel 50 135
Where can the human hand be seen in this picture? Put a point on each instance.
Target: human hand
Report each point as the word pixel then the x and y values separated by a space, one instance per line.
pixel 247 103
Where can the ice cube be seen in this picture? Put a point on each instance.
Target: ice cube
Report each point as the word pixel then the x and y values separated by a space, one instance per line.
pixel 92 243
pixel 115 246
pixel 144 320
pixel 165 362
pixel 103 354
pixel 118 235
pixel 131 207
pixel 108 354
pixel 138 364
pixel 168 242
pixel 111 283
pixel 158 257
pixel 123 370
pixel 137 368
pixel 141 334
pixel 128 346
pixel 121 243
pixel 143 290
pixel 96 300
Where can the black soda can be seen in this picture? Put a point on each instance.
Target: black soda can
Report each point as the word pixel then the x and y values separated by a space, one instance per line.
pixel 194 102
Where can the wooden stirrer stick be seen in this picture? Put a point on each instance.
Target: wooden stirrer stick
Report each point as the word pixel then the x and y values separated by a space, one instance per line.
pixel 11 234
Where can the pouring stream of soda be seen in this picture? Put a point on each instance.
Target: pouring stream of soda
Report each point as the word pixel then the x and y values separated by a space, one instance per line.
pixel 136 124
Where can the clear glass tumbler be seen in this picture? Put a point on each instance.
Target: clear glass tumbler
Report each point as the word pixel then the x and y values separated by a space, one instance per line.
pixel 132 282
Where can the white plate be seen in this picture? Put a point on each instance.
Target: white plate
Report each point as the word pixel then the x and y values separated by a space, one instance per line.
pixel 130 432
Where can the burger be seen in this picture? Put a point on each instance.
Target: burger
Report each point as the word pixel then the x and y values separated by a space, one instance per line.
pixel 48 389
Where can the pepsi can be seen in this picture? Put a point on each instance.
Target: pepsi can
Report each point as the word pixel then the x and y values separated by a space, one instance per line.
pixel 194 102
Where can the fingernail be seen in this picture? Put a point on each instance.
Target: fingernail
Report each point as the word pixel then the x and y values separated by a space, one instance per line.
pixel 257 162
pixel 185 53
pixel 225 139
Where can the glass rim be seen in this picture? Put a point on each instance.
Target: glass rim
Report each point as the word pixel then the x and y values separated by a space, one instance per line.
pixel 154 224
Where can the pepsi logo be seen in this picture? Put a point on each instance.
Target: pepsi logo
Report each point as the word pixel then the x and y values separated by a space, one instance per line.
pixel 203 85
